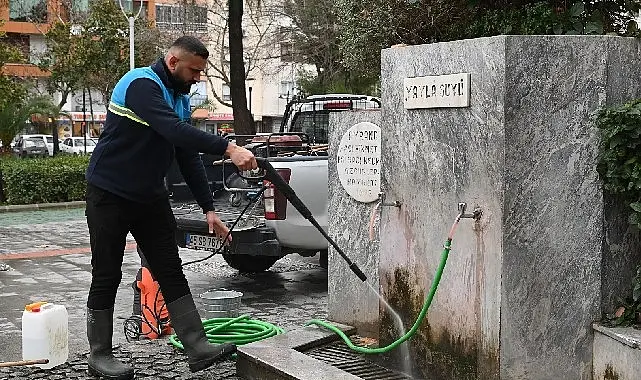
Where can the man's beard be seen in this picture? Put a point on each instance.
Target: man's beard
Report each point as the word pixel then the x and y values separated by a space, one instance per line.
pixel 181 86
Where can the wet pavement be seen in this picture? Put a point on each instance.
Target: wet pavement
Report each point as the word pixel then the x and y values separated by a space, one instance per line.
pixel 47 253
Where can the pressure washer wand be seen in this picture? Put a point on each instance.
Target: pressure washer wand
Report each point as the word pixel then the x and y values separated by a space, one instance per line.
pixel 272 176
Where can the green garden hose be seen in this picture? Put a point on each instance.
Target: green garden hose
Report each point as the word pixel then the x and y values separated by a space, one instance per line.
pixel 240 330
pixel 421 315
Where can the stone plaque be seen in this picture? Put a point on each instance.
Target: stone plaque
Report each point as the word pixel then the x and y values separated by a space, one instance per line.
pixel 359 161
pixel 440 91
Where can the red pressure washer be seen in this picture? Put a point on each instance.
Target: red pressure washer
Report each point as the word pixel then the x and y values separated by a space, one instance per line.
pixel 150 317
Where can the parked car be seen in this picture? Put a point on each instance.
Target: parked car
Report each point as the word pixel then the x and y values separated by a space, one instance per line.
pixel 30 147
pixel 47 139
pixel 76 145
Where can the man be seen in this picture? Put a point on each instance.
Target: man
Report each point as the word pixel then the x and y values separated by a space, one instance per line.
pixel 146 127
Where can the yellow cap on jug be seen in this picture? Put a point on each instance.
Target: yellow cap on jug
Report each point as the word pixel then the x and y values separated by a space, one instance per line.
pixel 34 307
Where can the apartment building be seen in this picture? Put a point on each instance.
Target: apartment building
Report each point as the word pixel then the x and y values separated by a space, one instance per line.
pixel 271 72
pixel 25 22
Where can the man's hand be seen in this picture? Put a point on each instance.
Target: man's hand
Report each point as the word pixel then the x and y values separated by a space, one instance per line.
pixel 241 157
pixel 217 226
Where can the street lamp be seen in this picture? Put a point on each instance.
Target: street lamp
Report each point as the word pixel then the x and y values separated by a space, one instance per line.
pixel 132 19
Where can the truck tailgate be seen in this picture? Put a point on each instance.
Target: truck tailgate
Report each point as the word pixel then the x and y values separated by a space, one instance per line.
pixel 249 237
pixel 309 181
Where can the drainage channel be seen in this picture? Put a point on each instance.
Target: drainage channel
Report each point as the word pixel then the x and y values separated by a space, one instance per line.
pixel 340 356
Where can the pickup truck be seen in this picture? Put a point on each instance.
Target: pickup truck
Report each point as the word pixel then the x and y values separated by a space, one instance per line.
pixel 272 228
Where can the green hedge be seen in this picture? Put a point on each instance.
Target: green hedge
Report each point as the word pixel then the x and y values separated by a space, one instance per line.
pixel 620 154
pixel 46 180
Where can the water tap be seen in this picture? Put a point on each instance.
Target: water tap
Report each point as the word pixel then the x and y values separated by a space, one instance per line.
pixel 476 214
pixel 381 196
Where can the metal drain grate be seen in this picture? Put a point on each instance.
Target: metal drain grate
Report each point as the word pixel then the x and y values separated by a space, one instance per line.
pixel 340 356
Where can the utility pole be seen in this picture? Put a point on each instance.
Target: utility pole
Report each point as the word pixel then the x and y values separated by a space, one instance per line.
pixel 84 121
pixel 132 19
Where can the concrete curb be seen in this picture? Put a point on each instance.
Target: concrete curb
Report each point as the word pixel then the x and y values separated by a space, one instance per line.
pixel 41 206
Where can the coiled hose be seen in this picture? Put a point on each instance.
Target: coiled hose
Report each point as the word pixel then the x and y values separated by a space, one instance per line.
pixel 240 330
pixel 243 330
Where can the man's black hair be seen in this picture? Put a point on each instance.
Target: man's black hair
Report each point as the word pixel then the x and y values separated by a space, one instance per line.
pixel 192 45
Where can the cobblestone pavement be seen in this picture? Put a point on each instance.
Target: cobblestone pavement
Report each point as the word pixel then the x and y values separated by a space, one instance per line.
pixel 48 258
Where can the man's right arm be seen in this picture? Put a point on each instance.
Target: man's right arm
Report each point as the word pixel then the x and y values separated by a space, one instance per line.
pixel 145 98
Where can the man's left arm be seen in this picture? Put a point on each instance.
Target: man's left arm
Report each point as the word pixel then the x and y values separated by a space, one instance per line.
pixel 193 171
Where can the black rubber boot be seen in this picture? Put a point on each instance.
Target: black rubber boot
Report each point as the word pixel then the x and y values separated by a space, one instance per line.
pixel 101 361
pixel 189 328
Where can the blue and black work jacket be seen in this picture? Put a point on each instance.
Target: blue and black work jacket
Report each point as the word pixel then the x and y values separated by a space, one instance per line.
pixel 147 125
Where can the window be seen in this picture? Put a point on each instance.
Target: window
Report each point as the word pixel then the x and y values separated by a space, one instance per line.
pixel 286 53
pixel 80 6
pixel 284 32
pixel 226 92
pixel 188 17
pixel 198 94
pixel 286 89
pixel 21 42
pixel 314 124
pixel 28 10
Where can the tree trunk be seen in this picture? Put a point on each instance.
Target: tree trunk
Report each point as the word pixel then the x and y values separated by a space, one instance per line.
pixel 54 124
pixel 243 121
pixel 54 133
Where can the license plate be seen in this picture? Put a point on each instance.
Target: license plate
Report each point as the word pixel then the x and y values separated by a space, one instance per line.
pixel 209 243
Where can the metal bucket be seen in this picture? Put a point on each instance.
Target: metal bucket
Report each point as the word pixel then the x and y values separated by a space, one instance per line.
pixel 221 303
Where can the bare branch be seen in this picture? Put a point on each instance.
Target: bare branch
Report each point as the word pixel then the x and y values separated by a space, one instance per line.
pixel 215 93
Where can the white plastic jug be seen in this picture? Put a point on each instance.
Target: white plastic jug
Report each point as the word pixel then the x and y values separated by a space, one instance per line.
pixel 45 333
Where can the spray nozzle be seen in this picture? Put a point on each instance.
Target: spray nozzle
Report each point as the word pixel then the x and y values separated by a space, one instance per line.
pixel 357 271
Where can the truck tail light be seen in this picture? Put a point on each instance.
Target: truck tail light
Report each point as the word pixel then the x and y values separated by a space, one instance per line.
pixel 274 201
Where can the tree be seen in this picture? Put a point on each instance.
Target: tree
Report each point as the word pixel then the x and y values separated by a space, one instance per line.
pixel 91 49
pixel 260 48
pixel 65 59
pixel 243 120
pixel 315 39
pixel 106 34
pixel 11 88
pixel 367 26
pixel 14 114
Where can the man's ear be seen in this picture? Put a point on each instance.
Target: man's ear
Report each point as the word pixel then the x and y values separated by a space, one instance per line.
pixel 173 61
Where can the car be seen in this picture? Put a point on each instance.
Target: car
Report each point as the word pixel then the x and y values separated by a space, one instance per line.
pixel 30 147
pixel 76 145
pixel 47 139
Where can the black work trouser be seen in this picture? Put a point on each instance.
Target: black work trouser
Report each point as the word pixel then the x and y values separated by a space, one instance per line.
pixel 110 218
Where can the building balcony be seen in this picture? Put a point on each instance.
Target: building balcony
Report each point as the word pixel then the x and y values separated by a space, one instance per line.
pixel 24 70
